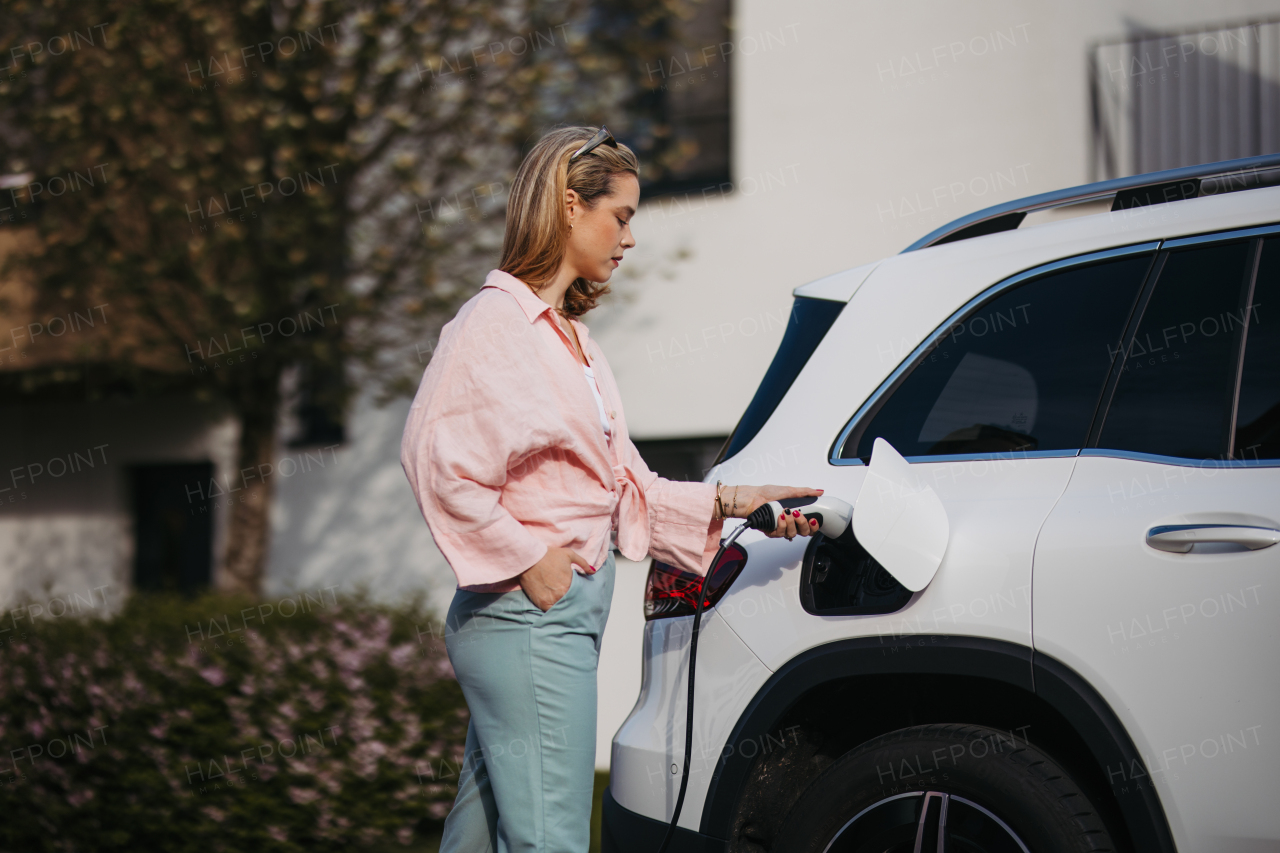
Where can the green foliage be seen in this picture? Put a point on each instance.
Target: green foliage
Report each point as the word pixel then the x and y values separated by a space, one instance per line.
pixel 238 144
pixel 222 724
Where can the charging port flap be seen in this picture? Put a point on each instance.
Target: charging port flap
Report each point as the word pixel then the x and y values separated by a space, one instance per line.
pixel 900 520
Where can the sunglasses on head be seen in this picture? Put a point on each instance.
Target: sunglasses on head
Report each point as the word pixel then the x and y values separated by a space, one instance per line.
pixel 602 137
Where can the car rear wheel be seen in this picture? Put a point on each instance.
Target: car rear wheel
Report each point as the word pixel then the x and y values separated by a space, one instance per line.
pixel 953 788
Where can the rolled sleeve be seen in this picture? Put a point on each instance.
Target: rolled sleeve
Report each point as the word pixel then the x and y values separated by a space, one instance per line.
pixel 684 533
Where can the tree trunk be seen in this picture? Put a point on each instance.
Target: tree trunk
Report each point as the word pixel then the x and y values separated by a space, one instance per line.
pixel 248 521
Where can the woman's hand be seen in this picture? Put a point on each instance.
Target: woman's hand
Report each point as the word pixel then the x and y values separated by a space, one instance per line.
pixel 790 524
pixel 547 581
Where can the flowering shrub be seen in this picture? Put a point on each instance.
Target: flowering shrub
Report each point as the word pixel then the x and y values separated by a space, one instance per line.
pixel 220 724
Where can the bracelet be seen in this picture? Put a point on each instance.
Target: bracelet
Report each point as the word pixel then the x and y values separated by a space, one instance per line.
pixel 719 503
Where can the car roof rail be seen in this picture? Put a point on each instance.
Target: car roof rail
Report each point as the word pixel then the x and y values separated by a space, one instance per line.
pixel 1133 191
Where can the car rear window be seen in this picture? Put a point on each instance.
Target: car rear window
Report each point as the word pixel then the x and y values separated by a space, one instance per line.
pixel 810 319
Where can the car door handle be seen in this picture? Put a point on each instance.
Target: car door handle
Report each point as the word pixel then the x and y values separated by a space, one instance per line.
pixel 1180 538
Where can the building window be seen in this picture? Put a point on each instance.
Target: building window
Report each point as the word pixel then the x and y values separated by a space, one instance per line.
pixel 1165 100
pixel 678 120
pixel 173 527
pixel 316 404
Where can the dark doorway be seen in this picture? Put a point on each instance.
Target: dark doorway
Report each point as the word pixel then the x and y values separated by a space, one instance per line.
pixel 686 459
pixel 173 526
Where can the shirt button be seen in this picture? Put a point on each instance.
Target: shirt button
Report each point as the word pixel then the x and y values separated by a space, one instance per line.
pixel 613 413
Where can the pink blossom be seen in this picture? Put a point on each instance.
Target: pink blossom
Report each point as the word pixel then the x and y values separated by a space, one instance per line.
pixel 214 676
pixel 79 798
pixel 303 796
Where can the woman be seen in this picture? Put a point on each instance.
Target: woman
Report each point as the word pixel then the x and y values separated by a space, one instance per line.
pixel 518 453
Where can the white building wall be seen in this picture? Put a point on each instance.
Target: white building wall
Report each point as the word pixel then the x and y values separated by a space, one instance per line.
pixel 858 128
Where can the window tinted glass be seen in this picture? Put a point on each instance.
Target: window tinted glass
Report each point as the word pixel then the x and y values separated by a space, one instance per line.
pixel 1258 415
pixel 1173 397
pixel 1023 372
pixel 810 320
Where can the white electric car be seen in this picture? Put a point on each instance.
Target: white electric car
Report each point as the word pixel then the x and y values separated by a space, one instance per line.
pixel 1089 380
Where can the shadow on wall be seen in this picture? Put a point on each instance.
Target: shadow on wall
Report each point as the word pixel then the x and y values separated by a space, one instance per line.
pixel 1165 100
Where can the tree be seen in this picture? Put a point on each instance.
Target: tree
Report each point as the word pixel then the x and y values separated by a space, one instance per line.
pixel 275 181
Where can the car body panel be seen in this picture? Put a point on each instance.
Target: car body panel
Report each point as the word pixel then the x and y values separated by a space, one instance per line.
pixel 982 589
pixel 1182 646
pixel 650 744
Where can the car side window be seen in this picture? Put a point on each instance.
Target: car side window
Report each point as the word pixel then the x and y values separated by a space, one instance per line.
pixel 1021 372
pixel 1175 387
pixel 1258 412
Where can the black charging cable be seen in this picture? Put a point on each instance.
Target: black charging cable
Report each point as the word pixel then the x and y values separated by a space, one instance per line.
pixel 761 519
pixel 693 660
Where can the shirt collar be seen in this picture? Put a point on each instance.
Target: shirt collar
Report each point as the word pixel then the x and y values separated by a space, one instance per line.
pixel 532 304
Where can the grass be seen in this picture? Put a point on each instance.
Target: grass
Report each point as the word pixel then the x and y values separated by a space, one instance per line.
pixel 597 800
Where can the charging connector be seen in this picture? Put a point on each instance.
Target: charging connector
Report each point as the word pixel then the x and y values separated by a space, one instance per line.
pixel 832 514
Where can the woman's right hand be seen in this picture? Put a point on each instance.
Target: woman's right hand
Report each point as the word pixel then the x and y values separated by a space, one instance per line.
pixel 790 524
pixel 547 581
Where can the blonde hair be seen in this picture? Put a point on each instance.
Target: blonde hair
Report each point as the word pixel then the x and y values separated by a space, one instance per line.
pixel 537 230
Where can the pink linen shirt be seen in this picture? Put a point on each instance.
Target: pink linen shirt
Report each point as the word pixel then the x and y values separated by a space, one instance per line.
pixel 506 455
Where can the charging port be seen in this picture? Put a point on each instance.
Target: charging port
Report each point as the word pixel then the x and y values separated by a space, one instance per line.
pixel 839 578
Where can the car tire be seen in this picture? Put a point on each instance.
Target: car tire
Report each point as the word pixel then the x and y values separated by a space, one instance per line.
pixel 983 789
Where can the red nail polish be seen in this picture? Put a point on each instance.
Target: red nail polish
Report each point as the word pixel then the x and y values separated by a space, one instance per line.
pixel 796 513
pixel 813 522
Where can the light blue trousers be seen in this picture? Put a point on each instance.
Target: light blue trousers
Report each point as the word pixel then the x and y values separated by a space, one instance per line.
pixel 529 678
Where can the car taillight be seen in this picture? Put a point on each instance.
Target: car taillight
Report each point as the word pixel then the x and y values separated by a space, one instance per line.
pixel 674 592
